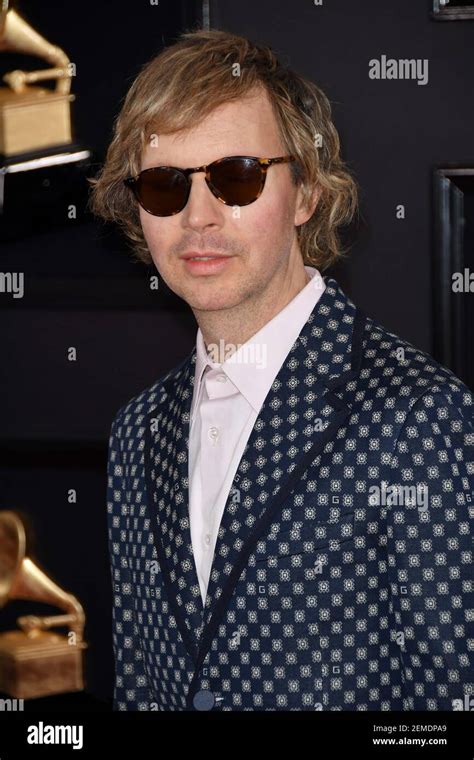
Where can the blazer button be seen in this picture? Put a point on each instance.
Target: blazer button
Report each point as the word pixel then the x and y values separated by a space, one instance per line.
pixel 203 700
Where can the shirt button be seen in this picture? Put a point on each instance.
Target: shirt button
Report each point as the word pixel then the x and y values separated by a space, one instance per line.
pixel 221 378
pixel 213 433
pixel 207 538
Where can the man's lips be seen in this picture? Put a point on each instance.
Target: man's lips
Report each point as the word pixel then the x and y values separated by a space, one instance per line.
pixel 204 254
pixel 197 263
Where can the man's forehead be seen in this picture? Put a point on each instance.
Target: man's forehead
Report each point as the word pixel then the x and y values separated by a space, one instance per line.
pixel 227 131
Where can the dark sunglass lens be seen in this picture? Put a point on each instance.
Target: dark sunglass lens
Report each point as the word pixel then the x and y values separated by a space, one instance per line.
pixel 162 191
pixel 237 180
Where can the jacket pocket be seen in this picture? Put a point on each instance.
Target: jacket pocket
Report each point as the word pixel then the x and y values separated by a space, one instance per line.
pixel 306 539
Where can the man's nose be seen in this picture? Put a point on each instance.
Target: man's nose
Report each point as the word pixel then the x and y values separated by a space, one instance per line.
pixel 202 208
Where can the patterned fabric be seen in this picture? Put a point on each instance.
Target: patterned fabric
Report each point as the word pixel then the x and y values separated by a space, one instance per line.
pixel 342 576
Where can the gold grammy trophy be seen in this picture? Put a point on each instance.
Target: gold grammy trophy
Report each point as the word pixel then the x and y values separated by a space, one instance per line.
pixel 35 662
pixel 32 118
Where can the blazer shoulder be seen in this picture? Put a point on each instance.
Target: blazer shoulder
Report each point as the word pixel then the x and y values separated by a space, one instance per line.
pixel 399 368
pixel 150 397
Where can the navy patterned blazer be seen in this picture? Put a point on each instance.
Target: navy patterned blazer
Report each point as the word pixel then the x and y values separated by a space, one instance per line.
pixel 341 578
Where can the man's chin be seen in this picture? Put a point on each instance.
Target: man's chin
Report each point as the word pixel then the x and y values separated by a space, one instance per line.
pixel 212 298
pixel 216 303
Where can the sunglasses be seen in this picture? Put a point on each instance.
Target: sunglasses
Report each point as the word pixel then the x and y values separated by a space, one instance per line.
pixel 234 180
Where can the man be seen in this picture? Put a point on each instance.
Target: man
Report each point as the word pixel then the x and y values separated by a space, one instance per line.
pixel 288 508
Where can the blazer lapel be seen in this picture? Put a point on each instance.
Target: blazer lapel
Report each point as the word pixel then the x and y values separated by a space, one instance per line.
pixel 166 455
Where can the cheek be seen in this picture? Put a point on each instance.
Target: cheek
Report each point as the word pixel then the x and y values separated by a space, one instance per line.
pixel 270 218
pixel 158 235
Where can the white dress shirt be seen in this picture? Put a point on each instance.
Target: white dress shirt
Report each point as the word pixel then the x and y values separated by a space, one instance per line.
pixel 226 402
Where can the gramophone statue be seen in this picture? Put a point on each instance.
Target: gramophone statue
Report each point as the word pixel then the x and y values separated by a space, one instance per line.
pixel 38 160
pixel 34 661
pixel 32 117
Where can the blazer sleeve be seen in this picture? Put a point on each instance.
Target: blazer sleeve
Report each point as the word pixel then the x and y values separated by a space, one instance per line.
pixel 429 550
pixel 131 690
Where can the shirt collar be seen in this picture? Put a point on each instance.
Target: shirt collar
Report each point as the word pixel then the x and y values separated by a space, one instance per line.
pixel 253 367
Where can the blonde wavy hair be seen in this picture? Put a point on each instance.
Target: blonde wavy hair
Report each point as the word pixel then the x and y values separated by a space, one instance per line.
pixel 182 85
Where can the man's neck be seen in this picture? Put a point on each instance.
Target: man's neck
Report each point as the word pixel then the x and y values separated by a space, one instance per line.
pixel 227 329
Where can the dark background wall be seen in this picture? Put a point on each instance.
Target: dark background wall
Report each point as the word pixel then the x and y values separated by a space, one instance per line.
pixel 82 288
pixel 393 132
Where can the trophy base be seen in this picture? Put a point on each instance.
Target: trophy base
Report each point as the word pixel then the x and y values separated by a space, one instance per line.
pixel 34 119
pixel 39 665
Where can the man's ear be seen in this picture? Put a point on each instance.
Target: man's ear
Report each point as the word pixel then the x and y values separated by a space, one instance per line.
pixel 305 210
